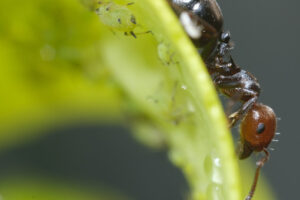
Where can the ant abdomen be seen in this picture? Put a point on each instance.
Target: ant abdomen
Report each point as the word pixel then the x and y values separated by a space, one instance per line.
pixel 257 130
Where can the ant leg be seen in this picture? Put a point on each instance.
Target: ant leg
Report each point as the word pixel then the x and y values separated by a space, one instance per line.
pixel 224 49
pixel 224 67
pixel 259 164
pixel 236 116
pixel 231 82
pixel 224 82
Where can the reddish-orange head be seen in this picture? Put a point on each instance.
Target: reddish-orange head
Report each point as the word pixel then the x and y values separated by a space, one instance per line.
pixel 257 130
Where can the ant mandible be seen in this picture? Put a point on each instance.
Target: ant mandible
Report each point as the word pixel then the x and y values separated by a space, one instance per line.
pixel 202 20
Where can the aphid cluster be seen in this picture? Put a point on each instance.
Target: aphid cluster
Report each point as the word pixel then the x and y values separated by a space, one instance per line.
pixel 202 20
pixel 118 17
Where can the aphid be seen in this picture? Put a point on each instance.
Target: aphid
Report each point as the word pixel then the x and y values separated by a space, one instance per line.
pixel 203 22
pixel 165 54
pixel 117 17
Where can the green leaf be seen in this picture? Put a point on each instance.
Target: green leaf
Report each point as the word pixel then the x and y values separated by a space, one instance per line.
pixel 178 98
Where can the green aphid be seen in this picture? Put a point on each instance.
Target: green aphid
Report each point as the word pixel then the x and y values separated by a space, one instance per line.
pixel 166 54
pixel 117 17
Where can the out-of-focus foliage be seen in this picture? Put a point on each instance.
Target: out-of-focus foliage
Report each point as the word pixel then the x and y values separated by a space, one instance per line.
pixel 50 67
pixel 28 188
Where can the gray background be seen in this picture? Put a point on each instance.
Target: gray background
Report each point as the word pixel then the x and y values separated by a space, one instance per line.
pixel 266 35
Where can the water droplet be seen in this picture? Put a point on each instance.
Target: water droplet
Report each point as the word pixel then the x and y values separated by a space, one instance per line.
pixel 201 77
pixel 216 176
pixel 191 107
pixel 184 87
pixel 214 192
pixel 216 172
pixel 215 111
pixel 217 162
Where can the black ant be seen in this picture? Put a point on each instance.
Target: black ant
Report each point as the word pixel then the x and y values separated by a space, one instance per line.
pixel 203 22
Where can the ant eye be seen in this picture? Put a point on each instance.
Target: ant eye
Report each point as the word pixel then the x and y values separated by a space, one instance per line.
pixel 225 37
pixel 260 128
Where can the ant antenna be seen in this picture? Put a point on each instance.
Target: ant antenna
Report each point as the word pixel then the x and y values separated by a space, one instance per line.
pixel 271 149
pixel 259 164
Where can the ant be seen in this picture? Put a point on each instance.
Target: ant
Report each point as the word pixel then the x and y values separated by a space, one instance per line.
pixel 202 20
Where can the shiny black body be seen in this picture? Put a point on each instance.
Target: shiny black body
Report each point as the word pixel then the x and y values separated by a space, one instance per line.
pixel 209 11
pixel 206 14
pixel 214 46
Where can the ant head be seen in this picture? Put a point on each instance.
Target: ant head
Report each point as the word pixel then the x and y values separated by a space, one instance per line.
pixel 257 130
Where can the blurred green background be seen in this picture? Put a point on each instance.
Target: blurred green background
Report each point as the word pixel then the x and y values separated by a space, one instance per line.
pixel 50 67
pixel 54 85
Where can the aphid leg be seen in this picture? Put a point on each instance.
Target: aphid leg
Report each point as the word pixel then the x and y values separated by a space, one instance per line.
pixel 259 165
pixel 132 33
pixel 146 32
pixel 119 21
pixel 135 34
pixel 113 32
pixel 236 116
pixel 108 7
